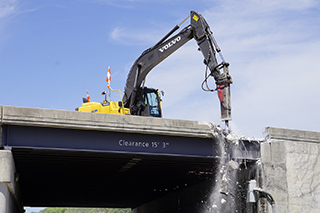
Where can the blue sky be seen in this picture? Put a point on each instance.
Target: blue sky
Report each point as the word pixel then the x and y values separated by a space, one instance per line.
pixel 51 52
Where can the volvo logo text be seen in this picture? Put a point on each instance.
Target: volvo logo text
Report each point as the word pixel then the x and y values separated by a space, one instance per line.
pixel 168 45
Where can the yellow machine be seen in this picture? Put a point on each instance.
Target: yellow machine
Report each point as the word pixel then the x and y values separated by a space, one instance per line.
pixel 109 107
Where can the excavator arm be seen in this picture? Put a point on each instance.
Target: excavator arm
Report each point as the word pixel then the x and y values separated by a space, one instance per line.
pixel 148 60
pixel 198 30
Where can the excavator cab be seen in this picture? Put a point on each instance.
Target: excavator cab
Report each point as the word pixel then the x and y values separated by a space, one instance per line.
pixel 148 103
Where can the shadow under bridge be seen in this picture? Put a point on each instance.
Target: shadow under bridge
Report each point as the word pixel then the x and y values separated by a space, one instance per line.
pixel 75 159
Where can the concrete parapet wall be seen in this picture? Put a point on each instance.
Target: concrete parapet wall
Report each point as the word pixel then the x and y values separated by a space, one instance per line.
pixel 9 189
pixel 103 122
pixel 291 164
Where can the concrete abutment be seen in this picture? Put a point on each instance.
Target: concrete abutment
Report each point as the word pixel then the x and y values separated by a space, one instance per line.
pixel 291 169
pixel 10 199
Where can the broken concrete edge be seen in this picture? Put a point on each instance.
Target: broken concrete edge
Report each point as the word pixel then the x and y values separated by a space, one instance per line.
pixel 9 179
pixel 292 135
pixel 104 122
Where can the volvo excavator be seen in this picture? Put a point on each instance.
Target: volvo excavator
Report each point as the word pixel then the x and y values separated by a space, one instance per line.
pixel 143 101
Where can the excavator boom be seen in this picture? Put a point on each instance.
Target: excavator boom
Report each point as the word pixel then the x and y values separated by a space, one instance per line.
pixel 198 30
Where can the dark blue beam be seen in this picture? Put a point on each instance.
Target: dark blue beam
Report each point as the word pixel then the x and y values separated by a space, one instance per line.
pixel 107 141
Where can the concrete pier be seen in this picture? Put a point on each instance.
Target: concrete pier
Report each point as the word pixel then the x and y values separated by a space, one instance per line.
pixel 10 200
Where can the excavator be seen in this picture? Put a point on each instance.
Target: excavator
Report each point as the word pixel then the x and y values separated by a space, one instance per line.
pixel 143 101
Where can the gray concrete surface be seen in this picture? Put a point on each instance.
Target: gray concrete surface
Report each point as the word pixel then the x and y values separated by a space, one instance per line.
pixel 290 165
pixel 291 169
pixel 20 116
pixel 9 188
pixel 105 122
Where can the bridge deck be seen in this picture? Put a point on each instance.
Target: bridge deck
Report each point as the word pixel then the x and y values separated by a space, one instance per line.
pixel 67 158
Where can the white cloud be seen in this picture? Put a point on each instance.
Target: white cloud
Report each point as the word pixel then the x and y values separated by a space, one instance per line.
pixel 280 91
pixel 7 8
pixel 250 7
pixel 129 36
pixel 117 33
pixel 125 3
pixel 284 4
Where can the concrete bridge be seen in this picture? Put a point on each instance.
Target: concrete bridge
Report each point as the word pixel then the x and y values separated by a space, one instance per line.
pixel 65 158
